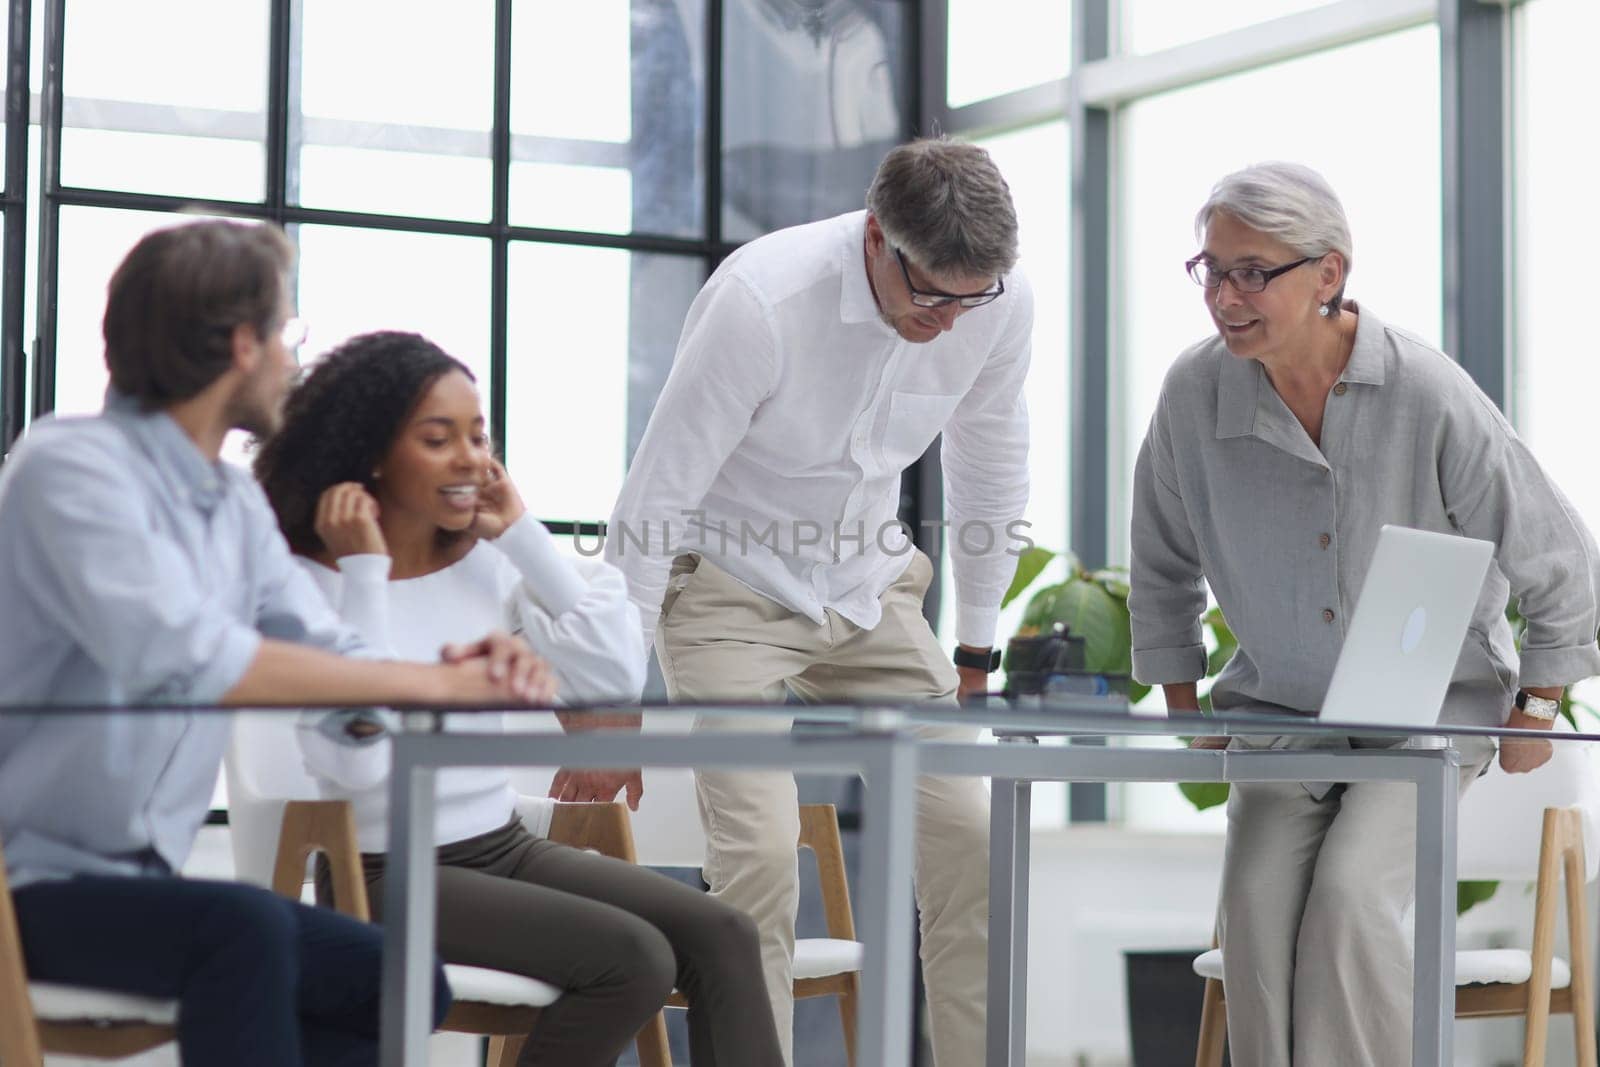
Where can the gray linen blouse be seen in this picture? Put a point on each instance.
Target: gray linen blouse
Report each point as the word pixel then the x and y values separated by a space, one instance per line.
pixel 1229 490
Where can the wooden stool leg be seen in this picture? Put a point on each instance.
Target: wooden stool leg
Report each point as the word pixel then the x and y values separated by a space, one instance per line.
pixel 1213 1027
pixel 505 1048
pixel 847 1017
pixel 652 1043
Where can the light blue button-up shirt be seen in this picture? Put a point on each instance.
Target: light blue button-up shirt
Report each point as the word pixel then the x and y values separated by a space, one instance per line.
pixel 133 570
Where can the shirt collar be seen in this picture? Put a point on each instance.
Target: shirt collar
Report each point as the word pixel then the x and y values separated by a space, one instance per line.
pixel 1246 404
pixel 174 455
pixel 856 302
pixel 1367 358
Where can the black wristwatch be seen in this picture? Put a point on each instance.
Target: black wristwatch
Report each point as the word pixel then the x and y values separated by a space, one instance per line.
pixel 987 663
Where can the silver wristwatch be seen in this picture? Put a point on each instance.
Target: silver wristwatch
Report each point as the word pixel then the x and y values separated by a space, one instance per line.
pixel 1534 707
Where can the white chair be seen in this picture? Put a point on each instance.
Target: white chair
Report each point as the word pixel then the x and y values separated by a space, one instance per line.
pixel 276 827
pixel 1496 841
pixel 667 833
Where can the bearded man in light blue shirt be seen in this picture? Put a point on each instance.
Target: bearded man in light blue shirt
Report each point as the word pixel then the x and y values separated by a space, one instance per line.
pixel 138 569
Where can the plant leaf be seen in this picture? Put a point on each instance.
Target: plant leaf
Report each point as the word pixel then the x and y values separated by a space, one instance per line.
pixel 1030 564
pixel 1113 580
pixel 1204 795
pixel 1469 894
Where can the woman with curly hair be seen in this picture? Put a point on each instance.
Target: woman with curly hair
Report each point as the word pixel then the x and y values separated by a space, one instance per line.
pixel 384 485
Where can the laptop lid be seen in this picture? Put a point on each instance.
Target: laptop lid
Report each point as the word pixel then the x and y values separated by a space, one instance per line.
pixel 1405 637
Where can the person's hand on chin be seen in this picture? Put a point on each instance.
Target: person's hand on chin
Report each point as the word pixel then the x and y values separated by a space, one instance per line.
pixel 499 504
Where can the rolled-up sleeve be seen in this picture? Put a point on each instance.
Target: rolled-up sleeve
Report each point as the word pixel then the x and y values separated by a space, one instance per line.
pixel 1168 596
pixel 124 593
pixel 1497 491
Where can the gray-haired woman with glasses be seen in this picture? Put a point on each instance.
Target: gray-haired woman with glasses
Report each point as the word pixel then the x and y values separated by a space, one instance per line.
pixel 1278 449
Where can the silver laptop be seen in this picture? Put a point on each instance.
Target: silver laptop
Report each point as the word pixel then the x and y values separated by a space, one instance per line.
pixel 1405 636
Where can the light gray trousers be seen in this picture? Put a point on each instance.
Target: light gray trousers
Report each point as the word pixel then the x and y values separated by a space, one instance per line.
pixel 1316 955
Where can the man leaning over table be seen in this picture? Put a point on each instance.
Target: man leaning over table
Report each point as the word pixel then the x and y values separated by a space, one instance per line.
pixel 816 365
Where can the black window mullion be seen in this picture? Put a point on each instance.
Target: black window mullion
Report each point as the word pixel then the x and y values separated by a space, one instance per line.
pixel 713 138
pixel 279 57
pixel 13 357
pixel 44 352
pixel 499 219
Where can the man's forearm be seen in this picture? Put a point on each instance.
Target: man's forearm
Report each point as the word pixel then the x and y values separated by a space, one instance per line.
pixel 286 673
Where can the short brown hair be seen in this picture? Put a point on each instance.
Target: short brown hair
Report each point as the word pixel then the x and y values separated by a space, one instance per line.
pixel 174 301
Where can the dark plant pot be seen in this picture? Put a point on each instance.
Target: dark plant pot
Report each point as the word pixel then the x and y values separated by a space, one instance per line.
pixel 1164 1000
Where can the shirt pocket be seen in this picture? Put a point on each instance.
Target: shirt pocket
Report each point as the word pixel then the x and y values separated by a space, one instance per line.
pixel 915 419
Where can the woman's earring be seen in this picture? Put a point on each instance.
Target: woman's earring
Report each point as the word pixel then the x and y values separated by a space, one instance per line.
pixel 1322 310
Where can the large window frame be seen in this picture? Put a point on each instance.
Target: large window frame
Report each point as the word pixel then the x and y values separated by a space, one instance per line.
pixel 28 372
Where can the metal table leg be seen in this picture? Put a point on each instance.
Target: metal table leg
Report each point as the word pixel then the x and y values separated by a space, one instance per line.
pixel 1433 992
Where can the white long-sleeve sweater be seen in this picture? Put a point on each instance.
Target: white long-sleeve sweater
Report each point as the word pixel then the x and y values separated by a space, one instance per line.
pixel 574 613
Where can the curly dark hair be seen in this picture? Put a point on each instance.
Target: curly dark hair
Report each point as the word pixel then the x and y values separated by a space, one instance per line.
pixel 340 422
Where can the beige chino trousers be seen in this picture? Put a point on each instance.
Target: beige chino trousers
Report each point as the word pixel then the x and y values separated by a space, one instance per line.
pixel 718 640
pixel 1317 885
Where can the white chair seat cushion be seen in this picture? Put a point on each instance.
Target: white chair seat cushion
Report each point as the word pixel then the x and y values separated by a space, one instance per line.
pixel 823 957
pixel 1506 966
pixel 70 1004
pixel 485 986
pixel 1498 966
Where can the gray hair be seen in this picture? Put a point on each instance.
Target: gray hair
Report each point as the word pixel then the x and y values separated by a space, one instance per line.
pixel 944 204
pixel 1288 201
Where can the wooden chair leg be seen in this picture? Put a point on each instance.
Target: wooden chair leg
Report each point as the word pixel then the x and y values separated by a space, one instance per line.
pixel 1575 869
pixel 1537 1035
pixel 505 1048
pixel 847 1016
pixel 652 1043
pixel 19 1037
pixel 1213 1027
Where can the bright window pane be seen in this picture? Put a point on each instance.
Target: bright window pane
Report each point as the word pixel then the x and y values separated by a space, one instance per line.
pixel 1557 374
pixel 605 115
pixel 591 337
pixel 810 105
pixel 353 281
pixel 1151 25
pixel 998 46
pixel 188 118
pixel 397 103
pixel 1173 152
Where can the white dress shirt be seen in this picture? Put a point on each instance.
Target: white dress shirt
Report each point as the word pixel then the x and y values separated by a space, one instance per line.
pixel 791 411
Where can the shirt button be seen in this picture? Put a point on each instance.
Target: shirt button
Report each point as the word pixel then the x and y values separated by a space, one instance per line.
pixel 1339 389
pixel 1325 540
pixel 1327 614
